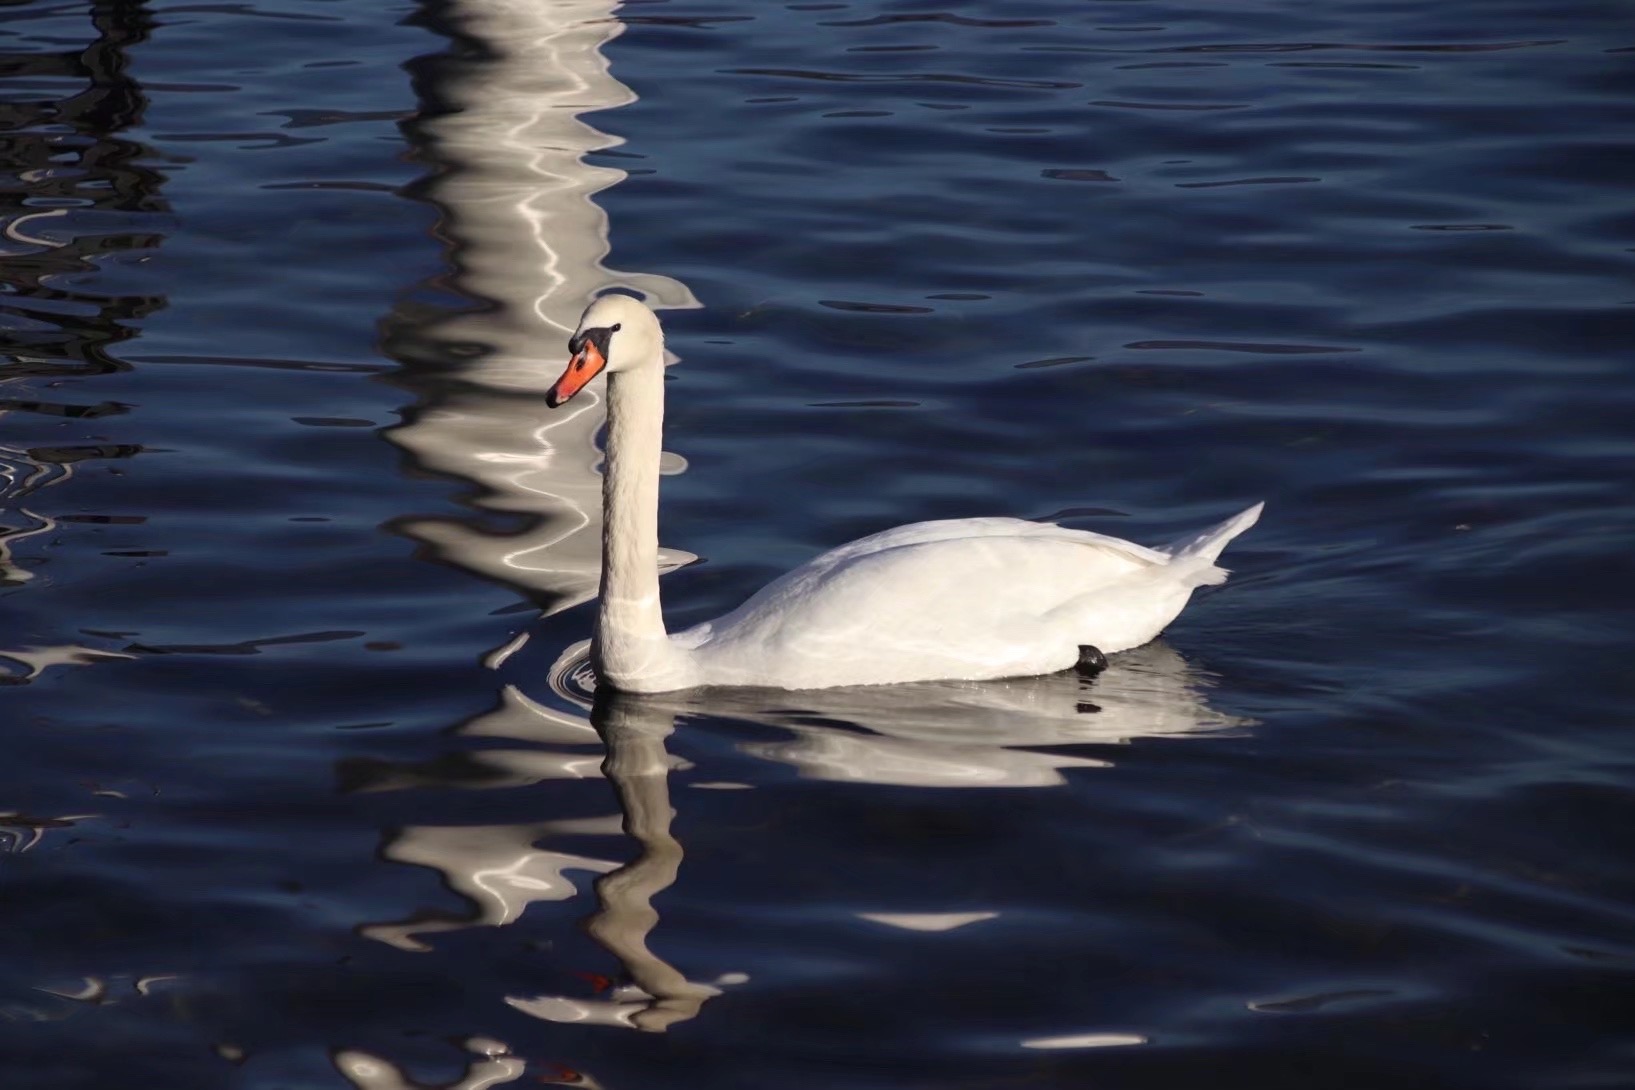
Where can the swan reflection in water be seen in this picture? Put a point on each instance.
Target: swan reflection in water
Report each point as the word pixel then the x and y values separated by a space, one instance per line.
pixel 657 994
pixel 952 733
pixel 931 735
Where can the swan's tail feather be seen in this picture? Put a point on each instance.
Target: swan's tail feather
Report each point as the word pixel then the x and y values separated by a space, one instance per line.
pixel 1195 554
pixel 1208 545
pixel 1210 575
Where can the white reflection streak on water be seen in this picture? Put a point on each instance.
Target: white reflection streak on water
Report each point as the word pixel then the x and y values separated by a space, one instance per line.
pixel 495 867
pixel 516 193
pixel 500 870
pixel 493 1066
pixel 1086 1040
pixel 20 833
pixel 20 474
pixel 927 921
pixel 36 660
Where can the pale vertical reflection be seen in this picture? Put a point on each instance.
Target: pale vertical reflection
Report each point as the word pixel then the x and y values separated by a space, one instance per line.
pixel 501 869
pixel 516 195
pixel 20 474
pixel 528 240
pixel 657 995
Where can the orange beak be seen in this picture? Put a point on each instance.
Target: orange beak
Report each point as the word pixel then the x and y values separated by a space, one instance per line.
pixel 585 365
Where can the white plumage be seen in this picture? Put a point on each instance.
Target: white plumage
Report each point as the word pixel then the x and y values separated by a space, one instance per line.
pixel 962 598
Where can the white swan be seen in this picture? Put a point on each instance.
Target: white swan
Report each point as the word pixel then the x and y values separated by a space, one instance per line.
pixel 961 598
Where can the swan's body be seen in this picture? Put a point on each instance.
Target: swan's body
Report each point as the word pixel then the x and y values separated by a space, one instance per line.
pixel 963 598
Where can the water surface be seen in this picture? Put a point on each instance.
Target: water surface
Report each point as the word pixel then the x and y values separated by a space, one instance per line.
pixel 303 790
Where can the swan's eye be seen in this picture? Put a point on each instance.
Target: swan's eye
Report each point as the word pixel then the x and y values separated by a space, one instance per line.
pixel 616 327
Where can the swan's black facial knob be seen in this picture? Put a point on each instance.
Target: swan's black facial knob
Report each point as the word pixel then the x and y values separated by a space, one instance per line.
pixel 598 337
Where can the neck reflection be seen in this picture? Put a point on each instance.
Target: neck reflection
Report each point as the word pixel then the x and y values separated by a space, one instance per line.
pixel 638 767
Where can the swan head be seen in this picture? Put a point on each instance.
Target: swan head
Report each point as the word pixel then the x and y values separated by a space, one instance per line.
pixel 616 333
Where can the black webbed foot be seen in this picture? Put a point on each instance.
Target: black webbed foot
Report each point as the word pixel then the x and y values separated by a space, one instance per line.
pixel 1091 661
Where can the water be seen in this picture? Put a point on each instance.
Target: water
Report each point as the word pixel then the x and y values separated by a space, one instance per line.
pixel 300 790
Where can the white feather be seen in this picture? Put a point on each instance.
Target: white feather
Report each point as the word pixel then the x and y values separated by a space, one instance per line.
pixel 969 599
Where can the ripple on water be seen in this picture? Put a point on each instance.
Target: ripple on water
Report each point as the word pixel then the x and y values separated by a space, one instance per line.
pixel 301 779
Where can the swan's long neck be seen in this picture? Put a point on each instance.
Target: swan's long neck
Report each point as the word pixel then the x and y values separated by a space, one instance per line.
pixel 633 650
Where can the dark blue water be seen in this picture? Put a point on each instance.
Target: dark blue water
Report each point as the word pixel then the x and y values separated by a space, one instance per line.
pixel 298 792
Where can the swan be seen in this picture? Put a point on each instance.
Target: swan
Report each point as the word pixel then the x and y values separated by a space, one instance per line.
pixel 967 599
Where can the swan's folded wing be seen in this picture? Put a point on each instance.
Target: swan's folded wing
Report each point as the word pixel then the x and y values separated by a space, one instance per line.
pixel 914 604
pixel 926 533
pixel 933 545
pixel 967 598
